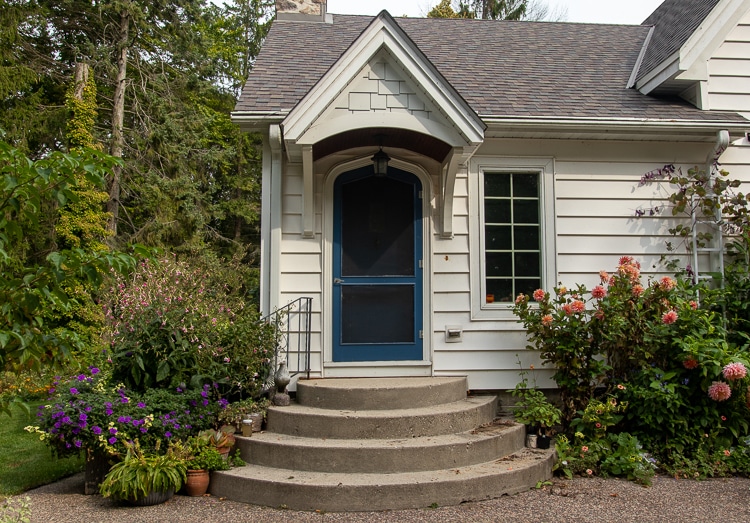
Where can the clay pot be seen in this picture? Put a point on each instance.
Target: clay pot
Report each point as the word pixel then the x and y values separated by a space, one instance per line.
pixel 197 482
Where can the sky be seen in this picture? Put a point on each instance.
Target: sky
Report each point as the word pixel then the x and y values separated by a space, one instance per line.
pixel 595 11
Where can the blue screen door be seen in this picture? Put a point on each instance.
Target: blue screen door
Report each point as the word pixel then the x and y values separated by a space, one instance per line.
pixel 377 278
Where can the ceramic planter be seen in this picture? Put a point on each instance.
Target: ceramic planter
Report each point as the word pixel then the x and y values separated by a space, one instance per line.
pixel 197 482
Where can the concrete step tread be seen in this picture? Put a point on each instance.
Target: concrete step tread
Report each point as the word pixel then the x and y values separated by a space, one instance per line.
pixel 379 384
pixel 522 459
pixel 481 433
pixel 456 406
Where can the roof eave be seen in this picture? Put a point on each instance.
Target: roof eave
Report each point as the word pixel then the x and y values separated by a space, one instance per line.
pixel 257 121
pixel 611 128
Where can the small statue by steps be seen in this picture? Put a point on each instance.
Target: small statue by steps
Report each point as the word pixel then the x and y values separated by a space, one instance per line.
pixel 281 380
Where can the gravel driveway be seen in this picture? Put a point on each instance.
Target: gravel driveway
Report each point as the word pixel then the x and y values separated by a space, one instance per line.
pixel 580 500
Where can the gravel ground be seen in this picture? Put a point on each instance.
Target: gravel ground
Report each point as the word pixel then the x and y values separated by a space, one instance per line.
pixel 583 500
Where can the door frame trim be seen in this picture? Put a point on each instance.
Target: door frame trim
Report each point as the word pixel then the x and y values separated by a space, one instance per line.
pixel 396 368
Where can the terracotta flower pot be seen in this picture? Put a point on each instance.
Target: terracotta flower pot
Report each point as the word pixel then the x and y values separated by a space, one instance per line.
pixel 197 482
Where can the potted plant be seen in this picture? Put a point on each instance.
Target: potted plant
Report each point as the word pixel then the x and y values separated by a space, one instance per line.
pixel 237 412
pixel 201 459
pixel 143 478
pixel 534 410
pixel 223 439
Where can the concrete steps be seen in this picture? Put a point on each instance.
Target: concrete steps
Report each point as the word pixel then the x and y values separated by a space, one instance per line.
pixel 378 444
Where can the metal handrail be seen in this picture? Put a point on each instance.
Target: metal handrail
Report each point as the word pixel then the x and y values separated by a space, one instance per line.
pixel 293 331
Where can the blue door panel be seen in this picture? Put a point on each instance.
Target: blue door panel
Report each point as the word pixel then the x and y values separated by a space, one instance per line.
pixel 377 289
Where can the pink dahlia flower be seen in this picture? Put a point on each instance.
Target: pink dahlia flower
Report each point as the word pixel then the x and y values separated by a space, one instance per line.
pixel 669 318
pixel 734 371
pixel 637 290
pixel 667 283
pixel 547 320
pixel 599 292
pixel 578 306
pixel 539 295
pixel 719 391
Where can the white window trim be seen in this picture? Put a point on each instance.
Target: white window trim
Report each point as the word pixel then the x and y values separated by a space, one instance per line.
pixel 477 167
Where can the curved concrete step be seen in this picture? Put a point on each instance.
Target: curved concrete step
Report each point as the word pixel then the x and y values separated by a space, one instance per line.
pixel 333 492
pixel 380 393
pixel 459 416
pixel 383 456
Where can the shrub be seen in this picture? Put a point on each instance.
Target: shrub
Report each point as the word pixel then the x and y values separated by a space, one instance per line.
pixel 661 350
pixel 174 325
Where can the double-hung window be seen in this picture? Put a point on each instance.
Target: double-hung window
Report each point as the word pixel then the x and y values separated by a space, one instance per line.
pixel 514 234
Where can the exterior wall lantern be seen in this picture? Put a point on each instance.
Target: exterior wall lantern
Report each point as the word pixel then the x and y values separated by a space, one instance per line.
pixel 380 162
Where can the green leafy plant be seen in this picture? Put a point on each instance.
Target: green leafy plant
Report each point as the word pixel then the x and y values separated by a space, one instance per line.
pixel 202 455
pixel 532 408
pixel 221 438
pixel 140 474
pixel 39 283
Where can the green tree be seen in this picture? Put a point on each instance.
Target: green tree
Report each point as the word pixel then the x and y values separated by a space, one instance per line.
pixel 496 10
pixel 443 10
pixel 32 288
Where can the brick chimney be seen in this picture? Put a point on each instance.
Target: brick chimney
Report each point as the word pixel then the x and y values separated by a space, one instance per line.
pixel 301 10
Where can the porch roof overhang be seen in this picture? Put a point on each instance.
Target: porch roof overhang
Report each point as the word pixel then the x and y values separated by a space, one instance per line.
pixel 452 128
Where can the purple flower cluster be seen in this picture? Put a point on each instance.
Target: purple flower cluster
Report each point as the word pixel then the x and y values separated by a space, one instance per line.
pixel 93 415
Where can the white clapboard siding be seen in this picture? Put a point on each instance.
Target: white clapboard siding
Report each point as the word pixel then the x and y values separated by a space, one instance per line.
pixel 596 190
pixel 729 72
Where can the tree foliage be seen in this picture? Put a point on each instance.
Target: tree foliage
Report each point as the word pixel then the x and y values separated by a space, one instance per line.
pixel 496 10
pixel 34 285
pixel 189 180
pixel 152 82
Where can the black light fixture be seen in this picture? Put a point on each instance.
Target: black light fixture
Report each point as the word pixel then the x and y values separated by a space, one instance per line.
pixel 380 159
pixel 380 162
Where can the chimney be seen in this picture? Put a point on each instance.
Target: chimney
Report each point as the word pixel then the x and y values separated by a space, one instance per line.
pixel 301 10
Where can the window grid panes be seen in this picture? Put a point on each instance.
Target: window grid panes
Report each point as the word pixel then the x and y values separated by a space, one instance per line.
pixel 512 235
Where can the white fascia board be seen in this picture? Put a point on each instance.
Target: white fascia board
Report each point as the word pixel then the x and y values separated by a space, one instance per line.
pixel 383 32
pixel 599 127
pixel 690 62
pixel 256 121
pixel 704 42
pixel 666 70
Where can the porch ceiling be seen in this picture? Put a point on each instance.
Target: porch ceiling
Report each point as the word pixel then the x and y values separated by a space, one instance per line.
pixel 387 137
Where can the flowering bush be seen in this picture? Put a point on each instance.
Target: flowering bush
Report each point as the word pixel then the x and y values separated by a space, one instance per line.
pixel 663 354
pixel 559 326
pixel 173 325
pixel 87 412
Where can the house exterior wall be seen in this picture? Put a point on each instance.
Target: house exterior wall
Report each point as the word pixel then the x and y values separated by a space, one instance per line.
pixel 595 195
pixel 729 71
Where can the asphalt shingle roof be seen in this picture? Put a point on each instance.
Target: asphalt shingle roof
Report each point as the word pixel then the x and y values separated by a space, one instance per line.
pixel 501 68
pixel 674 21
